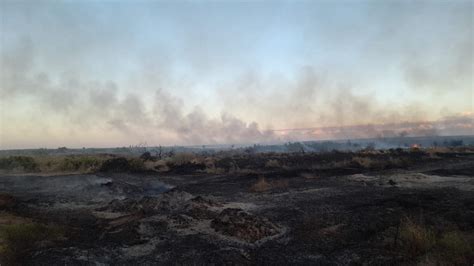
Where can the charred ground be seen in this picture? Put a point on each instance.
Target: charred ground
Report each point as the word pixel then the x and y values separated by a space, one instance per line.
pixel 399 206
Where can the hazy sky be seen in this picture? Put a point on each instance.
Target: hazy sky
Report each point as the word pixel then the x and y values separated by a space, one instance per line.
pixel 116 73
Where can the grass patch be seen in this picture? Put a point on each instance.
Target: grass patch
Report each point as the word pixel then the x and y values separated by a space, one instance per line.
pixel 455 247
pixel 416 239
pixel 17 240
pixel 70 163
pixel 451 247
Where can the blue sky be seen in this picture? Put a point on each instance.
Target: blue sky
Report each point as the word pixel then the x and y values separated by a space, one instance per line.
pixel 105 67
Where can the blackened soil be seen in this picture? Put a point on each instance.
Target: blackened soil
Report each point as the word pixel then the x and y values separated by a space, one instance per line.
pixel 308 213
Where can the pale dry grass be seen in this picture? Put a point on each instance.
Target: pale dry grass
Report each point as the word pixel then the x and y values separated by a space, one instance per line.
pixel 451 247
pixel 363 161
pixel 309 176
pixel 262 185
pixel 416 238
pixel 185 158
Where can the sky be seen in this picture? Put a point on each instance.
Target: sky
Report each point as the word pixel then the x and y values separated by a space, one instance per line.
pixel 119 73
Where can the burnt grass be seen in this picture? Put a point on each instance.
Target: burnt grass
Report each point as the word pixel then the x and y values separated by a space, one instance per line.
pixel 320 216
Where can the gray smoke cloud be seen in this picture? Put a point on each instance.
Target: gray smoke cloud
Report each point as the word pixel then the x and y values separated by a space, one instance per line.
pixel 147 106
pixel 97 103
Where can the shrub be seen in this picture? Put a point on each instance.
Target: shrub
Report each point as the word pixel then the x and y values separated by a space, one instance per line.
pixel 18 163
pixel 82 163
pixel 146 156
pixel 136 164
pixel 123 165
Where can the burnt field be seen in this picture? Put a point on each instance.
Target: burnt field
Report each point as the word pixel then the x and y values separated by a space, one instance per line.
pixel 377 207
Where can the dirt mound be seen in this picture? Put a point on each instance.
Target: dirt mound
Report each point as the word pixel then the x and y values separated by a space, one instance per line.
pixel 242 225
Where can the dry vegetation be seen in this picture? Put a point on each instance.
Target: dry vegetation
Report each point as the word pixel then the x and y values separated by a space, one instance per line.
pixel 224 162
pixel 323 213
pixel 18 239
pixel 446 247
pixel 262 185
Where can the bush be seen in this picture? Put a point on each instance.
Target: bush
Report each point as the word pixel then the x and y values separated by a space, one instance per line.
pixel 74 163
pixel 18 163
pixel 123 165
pixel 136 164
